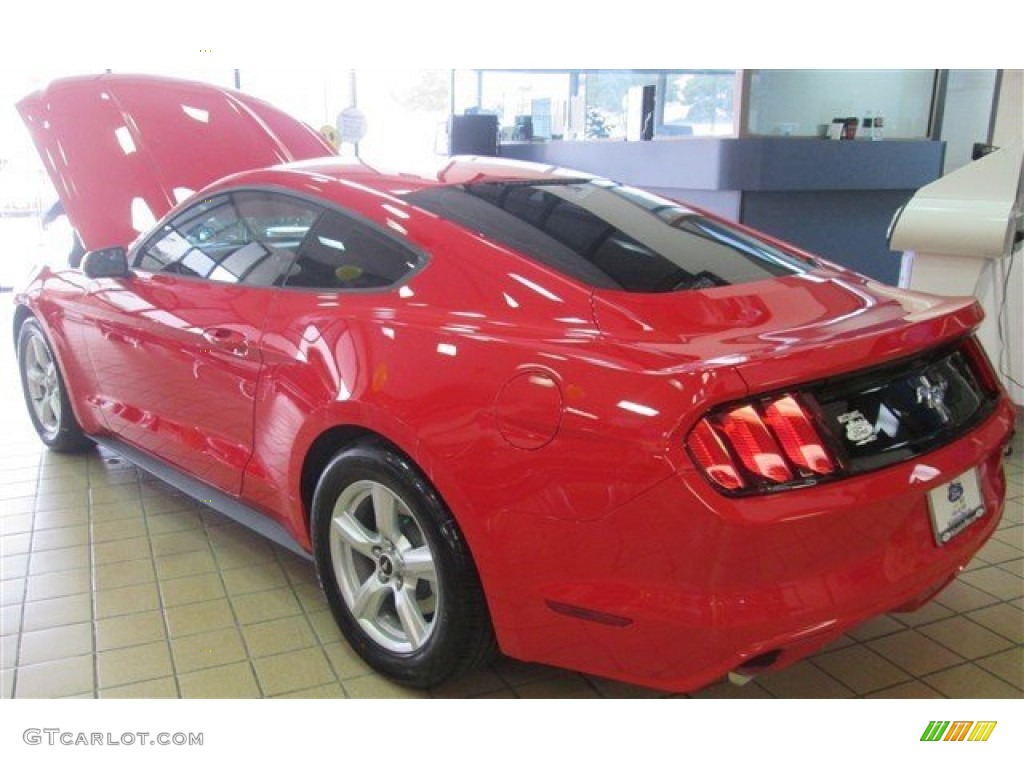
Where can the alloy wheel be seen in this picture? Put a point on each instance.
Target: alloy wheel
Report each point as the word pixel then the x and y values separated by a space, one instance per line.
pixel 384 566
pixel 43 385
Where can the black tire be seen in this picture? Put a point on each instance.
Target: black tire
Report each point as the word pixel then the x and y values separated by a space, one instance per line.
pixel 54 422
pixel 453 633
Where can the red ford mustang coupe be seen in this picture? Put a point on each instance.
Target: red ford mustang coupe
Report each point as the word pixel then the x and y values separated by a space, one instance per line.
pixel 501 404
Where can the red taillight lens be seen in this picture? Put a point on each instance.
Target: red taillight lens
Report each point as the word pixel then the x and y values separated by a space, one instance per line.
pixel 755 446
pixel 981 366
pixel 713 457
pixel 799 439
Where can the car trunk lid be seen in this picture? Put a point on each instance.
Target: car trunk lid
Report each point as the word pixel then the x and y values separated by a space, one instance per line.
pixel 882 374
pixel 789 330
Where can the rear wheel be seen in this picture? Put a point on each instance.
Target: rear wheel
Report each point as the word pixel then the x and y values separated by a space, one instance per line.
pixel 45 392
pixel 396 571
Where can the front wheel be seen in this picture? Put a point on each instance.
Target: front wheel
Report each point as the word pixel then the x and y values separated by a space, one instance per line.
pixel 46 394
pixel 396 570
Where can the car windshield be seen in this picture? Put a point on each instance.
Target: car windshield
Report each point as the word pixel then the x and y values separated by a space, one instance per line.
pixel 608 235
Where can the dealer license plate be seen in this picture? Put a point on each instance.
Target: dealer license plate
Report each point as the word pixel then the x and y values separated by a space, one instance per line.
pixel 955 505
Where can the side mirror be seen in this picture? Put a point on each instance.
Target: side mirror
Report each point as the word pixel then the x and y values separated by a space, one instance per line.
pixel 107 262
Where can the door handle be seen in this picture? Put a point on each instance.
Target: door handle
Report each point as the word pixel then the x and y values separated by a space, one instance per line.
pixel 230 341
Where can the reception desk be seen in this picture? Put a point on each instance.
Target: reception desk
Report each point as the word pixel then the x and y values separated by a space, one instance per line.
pixel 834 198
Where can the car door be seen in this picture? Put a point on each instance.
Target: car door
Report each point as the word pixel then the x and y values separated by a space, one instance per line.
pixel 175 348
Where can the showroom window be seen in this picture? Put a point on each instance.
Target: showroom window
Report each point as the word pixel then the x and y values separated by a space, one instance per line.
pixel 343 254
pixel 601 104
pixel 245 237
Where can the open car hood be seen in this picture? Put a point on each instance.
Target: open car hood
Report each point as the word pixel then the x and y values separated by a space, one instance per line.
pixel 122 150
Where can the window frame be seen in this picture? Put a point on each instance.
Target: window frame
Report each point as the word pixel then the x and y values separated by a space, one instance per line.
pixel 420 255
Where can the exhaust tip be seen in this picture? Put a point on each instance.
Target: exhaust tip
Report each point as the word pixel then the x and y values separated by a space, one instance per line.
pixel 749 669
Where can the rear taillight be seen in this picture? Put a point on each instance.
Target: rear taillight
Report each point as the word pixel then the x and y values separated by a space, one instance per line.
pixel 980 366
pixel 760 445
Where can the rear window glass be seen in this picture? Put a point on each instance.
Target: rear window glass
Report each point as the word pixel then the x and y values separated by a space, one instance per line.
pixel 609 236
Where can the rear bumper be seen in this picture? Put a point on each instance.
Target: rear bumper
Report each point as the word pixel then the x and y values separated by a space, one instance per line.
pixel 700 584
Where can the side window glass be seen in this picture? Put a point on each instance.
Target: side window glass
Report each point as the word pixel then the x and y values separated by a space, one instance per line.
pixel 343 254
pixel 244 237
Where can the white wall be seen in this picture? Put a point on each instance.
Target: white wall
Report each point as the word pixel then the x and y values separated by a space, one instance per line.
pixel 1010 115
pixel 967 115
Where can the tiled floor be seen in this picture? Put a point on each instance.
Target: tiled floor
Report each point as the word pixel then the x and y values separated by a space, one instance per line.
pixel 116 586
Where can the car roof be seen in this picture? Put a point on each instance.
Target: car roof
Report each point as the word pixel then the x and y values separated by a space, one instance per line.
pixel 442 171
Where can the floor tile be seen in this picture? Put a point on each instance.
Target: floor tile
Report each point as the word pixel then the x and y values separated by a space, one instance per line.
pixel 325 627
pixel 162 688
pixel 373 687
pixel 917 654
pixel 15 524
pixel 562 686
pixel 256 578
pixel 182 541
pixel 861 669
pixel 804 680
pixel 516 673
pixel 996 581
pixel 185 564
pixel 10 620
pixel 966 638
pixel 971 682
pixel 726 690
pixel 265 606
pixel 310 597
pixel 55 643
pixel 876 627
pixel 76 499
pixel 195 618
pixel 121 550
pixel 1008 665
pixel 476 683
pixel 55 678
pixel 345 662
pixel 329 691
pixel 12 591
pixel 128 630
pixel 59 611
pixel 177 521
pixel 1003 619
pixel 66 559
pixel 207 649
pixel 614 689
pixel 192 589
pixel 110 513
pixel 9 651
pixel 124 574
pixel 64 518
pixel 234 681
pixel 996 551
pixel 293 671
pixel 45 586
pixel 960 596
pixel 915 689
pixel 278 636
pixel 133 599
pixel 116 530
pixel 14 566
pixel 134 664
